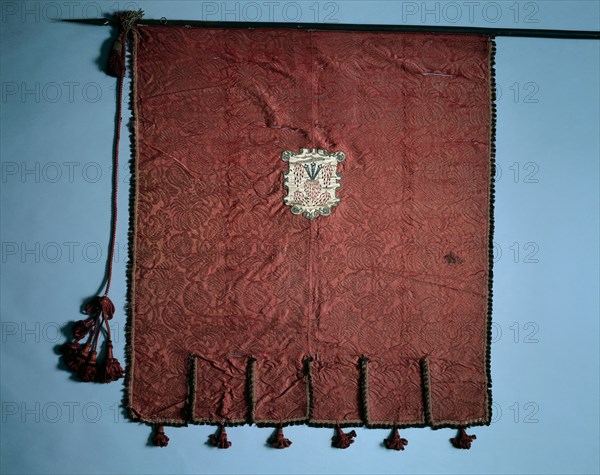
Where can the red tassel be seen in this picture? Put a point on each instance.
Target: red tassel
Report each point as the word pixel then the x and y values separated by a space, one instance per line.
pixel 113 371
pixel 462 439
pixel 220 441
pixel 394 442
pixel 88 371
pixel 278 441
pixel 116 60
pixel 83 327
pixel 69 352
pixel 100 309
pixel 342 440
pixel 98 304
pixel 83 359
pixel 107 307
pixel 80 358
pixel 75 355
pixel 159 439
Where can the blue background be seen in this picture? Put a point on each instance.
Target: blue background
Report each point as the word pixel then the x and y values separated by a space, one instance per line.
pixel 56 135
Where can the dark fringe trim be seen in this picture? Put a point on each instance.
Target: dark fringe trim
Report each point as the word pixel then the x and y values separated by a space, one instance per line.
pixel 129 305
pixel 222 423
pixel 333 425
pixel 250 389
pixel 491 198
pixel 283 423
pixel 192 375
pixel 387 425
pixel 309 387
pixel 364 389
pixel 425 385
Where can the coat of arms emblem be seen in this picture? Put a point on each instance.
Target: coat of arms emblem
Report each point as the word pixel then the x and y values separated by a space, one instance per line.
pixel 312 181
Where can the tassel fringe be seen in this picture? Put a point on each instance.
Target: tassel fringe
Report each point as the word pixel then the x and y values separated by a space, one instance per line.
pixel 159 439
pixel 342 440
pixel 278 441
pixel 394 442
pixel 462 439
pixel 219 439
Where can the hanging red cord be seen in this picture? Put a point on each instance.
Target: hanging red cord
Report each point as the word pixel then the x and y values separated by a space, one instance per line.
pixel 83 359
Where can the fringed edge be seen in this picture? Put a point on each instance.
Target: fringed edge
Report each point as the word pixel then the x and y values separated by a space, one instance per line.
pixel 191 400
pixel 491 200
pixel 426 388
pixel 310 409
pixel 250 389
pixel 364 389
pixel 130 269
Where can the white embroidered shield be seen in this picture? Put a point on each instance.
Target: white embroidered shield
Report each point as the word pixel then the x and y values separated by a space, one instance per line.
pixel 312 181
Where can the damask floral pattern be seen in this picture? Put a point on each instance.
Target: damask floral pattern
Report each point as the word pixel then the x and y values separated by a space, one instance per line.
pixel 244 312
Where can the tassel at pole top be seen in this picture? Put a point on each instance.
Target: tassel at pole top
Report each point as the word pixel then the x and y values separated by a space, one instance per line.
pixel 128 18
pixel 116 59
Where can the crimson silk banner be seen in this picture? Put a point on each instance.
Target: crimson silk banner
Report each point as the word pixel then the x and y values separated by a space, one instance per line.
pixel 312 226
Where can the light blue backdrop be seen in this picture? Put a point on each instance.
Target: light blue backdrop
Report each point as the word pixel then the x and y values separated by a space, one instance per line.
pixel 57 131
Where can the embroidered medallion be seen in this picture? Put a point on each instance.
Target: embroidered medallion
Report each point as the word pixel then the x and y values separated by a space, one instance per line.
pixel 311 181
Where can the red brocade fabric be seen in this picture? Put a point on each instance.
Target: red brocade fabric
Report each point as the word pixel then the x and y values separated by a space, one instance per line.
pixel 377 314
